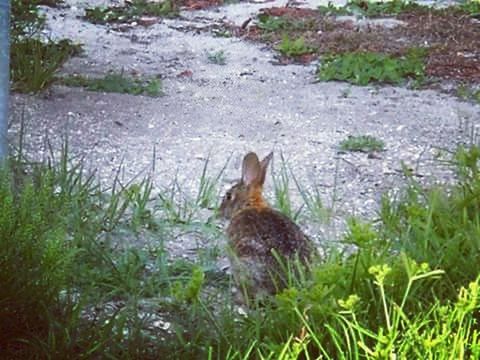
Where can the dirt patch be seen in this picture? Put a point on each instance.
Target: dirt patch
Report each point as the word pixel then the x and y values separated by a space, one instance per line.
pixel 451 38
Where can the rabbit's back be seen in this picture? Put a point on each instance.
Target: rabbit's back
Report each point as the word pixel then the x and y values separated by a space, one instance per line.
pixel 256 232
pixel 262 240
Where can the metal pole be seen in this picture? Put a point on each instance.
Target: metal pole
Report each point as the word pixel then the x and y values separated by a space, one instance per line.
pixel 4 74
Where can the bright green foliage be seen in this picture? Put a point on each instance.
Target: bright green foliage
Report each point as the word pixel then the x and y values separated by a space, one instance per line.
pixel 37 258
pixel 294 48
pixel 371 8
pixel 404 287
pixel 269 23
pixel 471 7
pixel 362 68
pixel 382 8
pixel 117 83
pixel 362 143
pixel 435 221
pixel 130 11
pixel 378 8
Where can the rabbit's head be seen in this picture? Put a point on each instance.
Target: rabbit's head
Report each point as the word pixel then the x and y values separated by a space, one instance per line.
pixel 248 191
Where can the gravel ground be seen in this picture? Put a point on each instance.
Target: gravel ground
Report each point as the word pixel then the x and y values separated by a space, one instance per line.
pixel 223 111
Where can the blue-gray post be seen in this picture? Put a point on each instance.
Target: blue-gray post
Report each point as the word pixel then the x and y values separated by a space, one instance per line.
pixel 4 73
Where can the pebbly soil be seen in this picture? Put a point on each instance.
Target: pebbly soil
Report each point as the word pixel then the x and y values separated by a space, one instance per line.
pixel 221 112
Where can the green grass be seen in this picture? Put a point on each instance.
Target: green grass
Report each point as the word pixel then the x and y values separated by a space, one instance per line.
pixel 130 12
pixel 371 8
pixel 362 68
pixel 362 143
pixel 294 48
pixel 269 23
pixel 76 283
pixel 34 62
pixel 117 83
pixel 378 8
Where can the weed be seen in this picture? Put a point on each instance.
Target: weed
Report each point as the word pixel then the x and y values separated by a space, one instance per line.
pixel 283 201
pixel 223 33
pixel 464 92
pixel 331 9
pixel 116 82
pixel 269 23
pixel 471 7
pixel 294 48
pixel 371 8
pixel 34 63
pixel 362 143
pixel 382 8
pixel 130 12
pixel 362 68
pixel 217 57
pixel 25 19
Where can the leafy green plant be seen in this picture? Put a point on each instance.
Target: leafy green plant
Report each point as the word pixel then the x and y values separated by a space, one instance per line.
pixel 331 9
pixel 269 23
pixel 132 11
pixel 362 68
pixel 217 57
pixel 362 143
pixel 116 82
pixel 438 219
pixel 383 8
pixel 371 8
pixel 471 7
pixel 294 48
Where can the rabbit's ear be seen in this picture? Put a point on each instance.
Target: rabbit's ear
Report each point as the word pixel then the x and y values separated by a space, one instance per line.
pixel 263 168
pixel 251 168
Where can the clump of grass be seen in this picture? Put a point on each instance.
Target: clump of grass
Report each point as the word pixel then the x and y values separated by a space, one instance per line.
pixel 294 48
pixel 331 9
pixel 269 23
pixel 362 68
pixel 131 11
pixel 439 219
pixel 471 7
pixel 383 8
pixel 362 143
pixel 33 62
pixel 217 57
pixel 116 82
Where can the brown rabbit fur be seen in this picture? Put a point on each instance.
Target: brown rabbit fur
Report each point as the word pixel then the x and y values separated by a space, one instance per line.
pixel 259 236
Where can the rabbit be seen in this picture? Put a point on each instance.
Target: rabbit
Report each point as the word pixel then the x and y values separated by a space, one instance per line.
pixel 260 238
